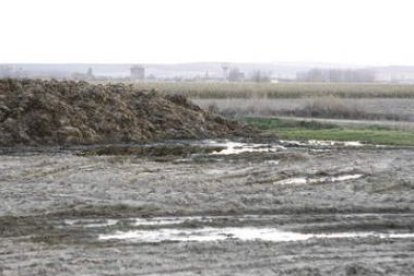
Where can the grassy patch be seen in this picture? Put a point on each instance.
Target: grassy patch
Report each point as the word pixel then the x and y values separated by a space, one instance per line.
pixel 368 136
pixel 276 123
pixel 308 130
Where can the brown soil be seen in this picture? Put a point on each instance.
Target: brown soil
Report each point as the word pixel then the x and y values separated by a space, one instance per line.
pixel 36 112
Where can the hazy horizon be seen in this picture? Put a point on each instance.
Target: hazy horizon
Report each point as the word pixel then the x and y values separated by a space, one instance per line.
pixel 315 64
pixel 364 33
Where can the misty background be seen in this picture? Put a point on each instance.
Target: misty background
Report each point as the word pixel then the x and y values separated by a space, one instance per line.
pixel 183 40
pixel 217 72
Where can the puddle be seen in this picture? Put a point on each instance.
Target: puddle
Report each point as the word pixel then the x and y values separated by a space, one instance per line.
pixel 203 234
pixel 323 143
pixel 239 148
pixel 309 180
pixel 335 143
pixel 173 229
pixel 229 147
pixel 90 223
pixel 345 177
pixel 273 162
pixel 237 233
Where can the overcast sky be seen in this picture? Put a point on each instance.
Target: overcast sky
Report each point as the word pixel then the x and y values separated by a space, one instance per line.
pixel 363 32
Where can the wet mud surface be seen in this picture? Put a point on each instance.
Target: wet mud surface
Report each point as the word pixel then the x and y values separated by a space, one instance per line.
pixel 208 208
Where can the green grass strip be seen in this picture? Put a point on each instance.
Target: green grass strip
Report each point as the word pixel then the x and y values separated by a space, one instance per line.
pixel 311 130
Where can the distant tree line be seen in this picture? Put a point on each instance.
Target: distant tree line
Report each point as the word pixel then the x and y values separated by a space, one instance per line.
pixel 7 71
pixel 336 75
pixel 260 76
pixel 235 75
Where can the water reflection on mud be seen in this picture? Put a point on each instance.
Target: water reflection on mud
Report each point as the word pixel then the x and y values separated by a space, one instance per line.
pixel 236 233
pixel 230 147
pixel 308 180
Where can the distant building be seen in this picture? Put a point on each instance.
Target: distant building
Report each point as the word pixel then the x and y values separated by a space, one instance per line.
pixel 225 67
pixel 235 75
pixel 137 72
pixel 395 74
pixel 88 76
pixel 337 75
pixel 9 71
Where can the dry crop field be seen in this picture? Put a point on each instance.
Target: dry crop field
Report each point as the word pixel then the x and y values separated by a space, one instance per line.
pixel 370 102
pixel 393 109
pixel 217 90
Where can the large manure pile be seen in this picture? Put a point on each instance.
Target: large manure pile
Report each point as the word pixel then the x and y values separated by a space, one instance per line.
pixel 36 112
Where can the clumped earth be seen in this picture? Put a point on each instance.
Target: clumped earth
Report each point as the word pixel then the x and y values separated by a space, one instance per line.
pixel 36 112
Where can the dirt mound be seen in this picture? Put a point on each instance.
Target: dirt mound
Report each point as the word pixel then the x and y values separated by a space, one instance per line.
pixel 36 112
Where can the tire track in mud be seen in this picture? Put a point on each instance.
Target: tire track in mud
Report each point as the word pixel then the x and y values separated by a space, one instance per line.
pixel 290 261
pixel 246 257
pixel 119 188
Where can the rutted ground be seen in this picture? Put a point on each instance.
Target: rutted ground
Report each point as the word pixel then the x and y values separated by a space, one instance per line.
pixel 46 197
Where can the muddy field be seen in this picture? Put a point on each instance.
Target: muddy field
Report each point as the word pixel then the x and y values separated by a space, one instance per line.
pixel 215 208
